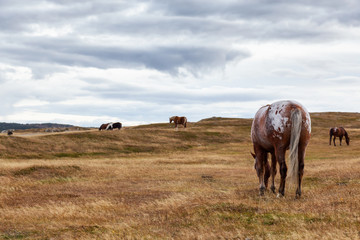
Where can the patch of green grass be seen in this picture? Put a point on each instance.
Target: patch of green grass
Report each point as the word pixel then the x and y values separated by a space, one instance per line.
pixel 267 219
pixel 57 180
pixel 29 170
pixel 136 149
pixel 311 180
pixel 183 147
pixel 13 235
pixel 46 170
pixel 213 133
pixel 187 136
pixel 25 156
pixel 68 155
pixel 78 155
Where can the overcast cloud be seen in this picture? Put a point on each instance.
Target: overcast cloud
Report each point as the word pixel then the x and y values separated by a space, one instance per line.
pixel 88 62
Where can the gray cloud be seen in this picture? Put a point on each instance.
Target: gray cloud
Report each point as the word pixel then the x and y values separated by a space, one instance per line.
pixel 232 21
pixel 193 57
pixel 70 52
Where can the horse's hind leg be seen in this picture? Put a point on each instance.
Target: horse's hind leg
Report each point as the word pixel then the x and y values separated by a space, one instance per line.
pixel 301 156
pixel 267 173
pixel 334 141
pixel 260 169
pixel 340 140
pixel 273 172
pixel 280 156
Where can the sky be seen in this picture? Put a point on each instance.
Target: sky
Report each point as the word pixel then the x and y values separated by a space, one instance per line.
pixel 90 62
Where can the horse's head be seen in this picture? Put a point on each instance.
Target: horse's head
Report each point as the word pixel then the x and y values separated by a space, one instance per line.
pixel 172 119
pixel 347 139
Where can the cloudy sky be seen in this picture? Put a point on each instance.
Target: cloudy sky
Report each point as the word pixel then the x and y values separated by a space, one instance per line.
pixel 87 62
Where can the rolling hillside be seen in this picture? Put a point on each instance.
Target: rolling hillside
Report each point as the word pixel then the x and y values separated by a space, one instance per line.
pixel 153 182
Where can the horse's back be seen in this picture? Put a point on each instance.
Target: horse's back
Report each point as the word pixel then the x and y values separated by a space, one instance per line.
pixel 183 119
pixel 272 123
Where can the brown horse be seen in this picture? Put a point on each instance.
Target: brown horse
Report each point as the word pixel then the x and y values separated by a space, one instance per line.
pixel 277 127
pixel 178 120
pixel 339 132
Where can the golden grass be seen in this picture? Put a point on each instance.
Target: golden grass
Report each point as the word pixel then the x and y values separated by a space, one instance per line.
pixel 151 182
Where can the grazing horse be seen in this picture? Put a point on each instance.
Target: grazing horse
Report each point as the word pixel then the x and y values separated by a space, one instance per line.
pixel 277 127
pixel 178 120
pixel 110 126
pixel 339 132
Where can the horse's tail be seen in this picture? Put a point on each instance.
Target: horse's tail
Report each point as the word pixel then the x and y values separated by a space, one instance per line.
pixel 296 124
pixel 185 121
pixel 347 137
pixel 331 132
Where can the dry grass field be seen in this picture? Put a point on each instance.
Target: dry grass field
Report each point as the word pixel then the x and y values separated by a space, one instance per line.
pixel 152 182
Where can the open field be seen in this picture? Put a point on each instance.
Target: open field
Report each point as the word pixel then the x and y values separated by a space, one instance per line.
pixel 152 182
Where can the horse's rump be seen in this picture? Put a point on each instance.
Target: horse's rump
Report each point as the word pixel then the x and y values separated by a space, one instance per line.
pixel 117 125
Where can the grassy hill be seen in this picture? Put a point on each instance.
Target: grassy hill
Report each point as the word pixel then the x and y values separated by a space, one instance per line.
pixel 153 182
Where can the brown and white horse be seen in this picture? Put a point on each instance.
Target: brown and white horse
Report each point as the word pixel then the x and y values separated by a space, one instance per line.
pixel 339 132
pixel 277 127
pixel 178 120
pixel 110 126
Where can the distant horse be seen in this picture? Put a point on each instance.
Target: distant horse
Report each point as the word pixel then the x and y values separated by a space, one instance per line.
pixel 110 126
pixel 339 132
pixel 9 133
pixel 178 120
pixel 276 128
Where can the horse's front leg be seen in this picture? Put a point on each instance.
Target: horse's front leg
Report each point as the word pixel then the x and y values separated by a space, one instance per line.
pixel 334 141
pixel 340 140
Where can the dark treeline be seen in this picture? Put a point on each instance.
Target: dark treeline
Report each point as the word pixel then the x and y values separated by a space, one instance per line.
pixel 6 126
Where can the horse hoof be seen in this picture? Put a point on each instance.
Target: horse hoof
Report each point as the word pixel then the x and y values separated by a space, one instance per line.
pixel 262 191
pixel 272 189
pixel 279 195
